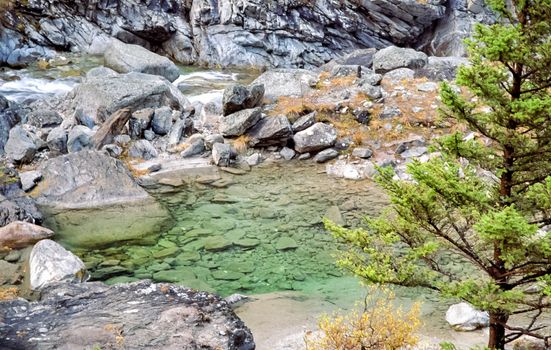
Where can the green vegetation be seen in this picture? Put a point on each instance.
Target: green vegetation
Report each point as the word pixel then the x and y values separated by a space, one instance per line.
pixel 472 222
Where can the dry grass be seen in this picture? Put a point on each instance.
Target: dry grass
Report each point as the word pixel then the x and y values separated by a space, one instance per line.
pixel 130 164
pixel 241 144
pixel 8 293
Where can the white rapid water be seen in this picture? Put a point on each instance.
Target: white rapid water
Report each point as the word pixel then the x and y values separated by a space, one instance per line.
pixel 28 89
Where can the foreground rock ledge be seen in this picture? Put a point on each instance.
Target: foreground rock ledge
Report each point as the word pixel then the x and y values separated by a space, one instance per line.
pixel 139 315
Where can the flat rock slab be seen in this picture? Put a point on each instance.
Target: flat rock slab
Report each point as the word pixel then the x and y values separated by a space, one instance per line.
pixel 20 234
pixel 140 315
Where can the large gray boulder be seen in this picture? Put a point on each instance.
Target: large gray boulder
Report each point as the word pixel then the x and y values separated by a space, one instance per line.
pixel 20 234
pixel 145 315
pixel 86 179
pixel 126 58
pixel 316 138
pixel 270 131
pixel 238 123
pixel 393 57
pixel 287 82
pixel 238 97
pixel 21 145
pixel 51 263
pixel 100 97
pixel 464 317
pixel 441 68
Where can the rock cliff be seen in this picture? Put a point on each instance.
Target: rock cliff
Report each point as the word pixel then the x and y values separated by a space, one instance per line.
pixel 274 33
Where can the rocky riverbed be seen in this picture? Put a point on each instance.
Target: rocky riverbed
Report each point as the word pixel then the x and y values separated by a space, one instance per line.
pixel 214 180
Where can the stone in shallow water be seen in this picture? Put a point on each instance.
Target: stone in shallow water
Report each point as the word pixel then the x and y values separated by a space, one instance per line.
pixel 244 267
pixel 217 243
pixel 334 214
pixel 166 252
pixel 121 279
pixel 106 272
pixel 227 275
pixel 176 275
pixel 247 242
pixel 285 243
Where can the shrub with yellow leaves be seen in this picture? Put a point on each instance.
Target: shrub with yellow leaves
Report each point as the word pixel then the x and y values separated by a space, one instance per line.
pixel 379 326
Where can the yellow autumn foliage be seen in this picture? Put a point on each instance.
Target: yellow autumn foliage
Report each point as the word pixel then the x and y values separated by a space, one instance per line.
pixel 379 326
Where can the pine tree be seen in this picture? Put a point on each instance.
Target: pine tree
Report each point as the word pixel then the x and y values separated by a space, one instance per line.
pixel 474 222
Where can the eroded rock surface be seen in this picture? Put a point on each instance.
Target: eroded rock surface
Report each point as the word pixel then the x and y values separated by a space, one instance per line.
pixel 140 315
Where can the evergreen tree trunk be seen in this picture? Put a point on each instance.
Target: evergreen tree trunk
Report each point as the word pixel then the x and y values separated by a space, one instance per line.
pixel 497 330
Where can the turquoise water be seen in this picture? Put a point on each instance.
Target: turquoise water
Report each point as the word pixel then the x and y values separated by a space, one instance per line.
pixel 260 233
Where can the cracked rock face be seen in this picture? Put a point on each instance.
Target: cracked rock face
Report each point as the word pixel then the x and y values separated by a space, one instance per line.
pixel 275 33
pixel 139 315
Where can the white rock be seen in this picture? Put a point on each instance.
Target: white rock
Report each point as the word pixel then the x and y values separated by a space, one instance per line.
pixel 50 263
pixel 464 317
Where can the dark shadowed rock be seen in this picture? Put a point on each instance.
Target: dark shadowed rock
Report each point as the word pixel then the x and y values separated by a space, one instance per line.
pixel 143 314
pixel 125 58
pixel 270 131
pixel 20 234
pixel 9 117
pixel 162 121
pixel 316 138
pixel 44 118
pixel 112 127
pixel 304 122
pixel 139 122
pixel 238 123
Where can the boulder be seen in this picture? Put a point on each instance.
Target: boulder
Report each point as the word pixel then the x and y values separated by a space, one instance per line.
pixel 393 57
pixel 51 263
pixel 176 132
pixel 112 127
pixel 145 315
pixel 238 123
pixel 270 131
pixel 316 138
pixel 441 68
pixel 44 118
pixel 101 97
pixel 397 76
pixel 351 171
pixel 304 122
pixel 20 234
pixel 9 117
pixel 287 82
pixel 57 140
pixel 19 208
pixel 464 317
pixel 126 58
pixel 239 97
pixel 162 121
pixel 362 57
pixel 86 179
pixel 142 149
pixel 21 145
pixel 326 155
pixel 221 154
pixel 29 179
pixel 139 122
pixel 80 137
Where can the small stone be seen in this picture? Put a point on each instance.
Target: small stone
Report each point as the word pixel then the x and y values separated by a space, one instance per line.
pixel 217 243
pixel 334 215
pixel 326 155
pixel 286 243
pixel 29 179
pixel 287 153
pixel 362 152
pixel 13 256
pixel 227 275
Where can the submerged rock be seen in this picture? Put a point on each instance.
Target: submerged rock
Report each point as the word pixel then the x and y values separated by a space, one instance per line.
pixel 143 315
pixel 51 263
